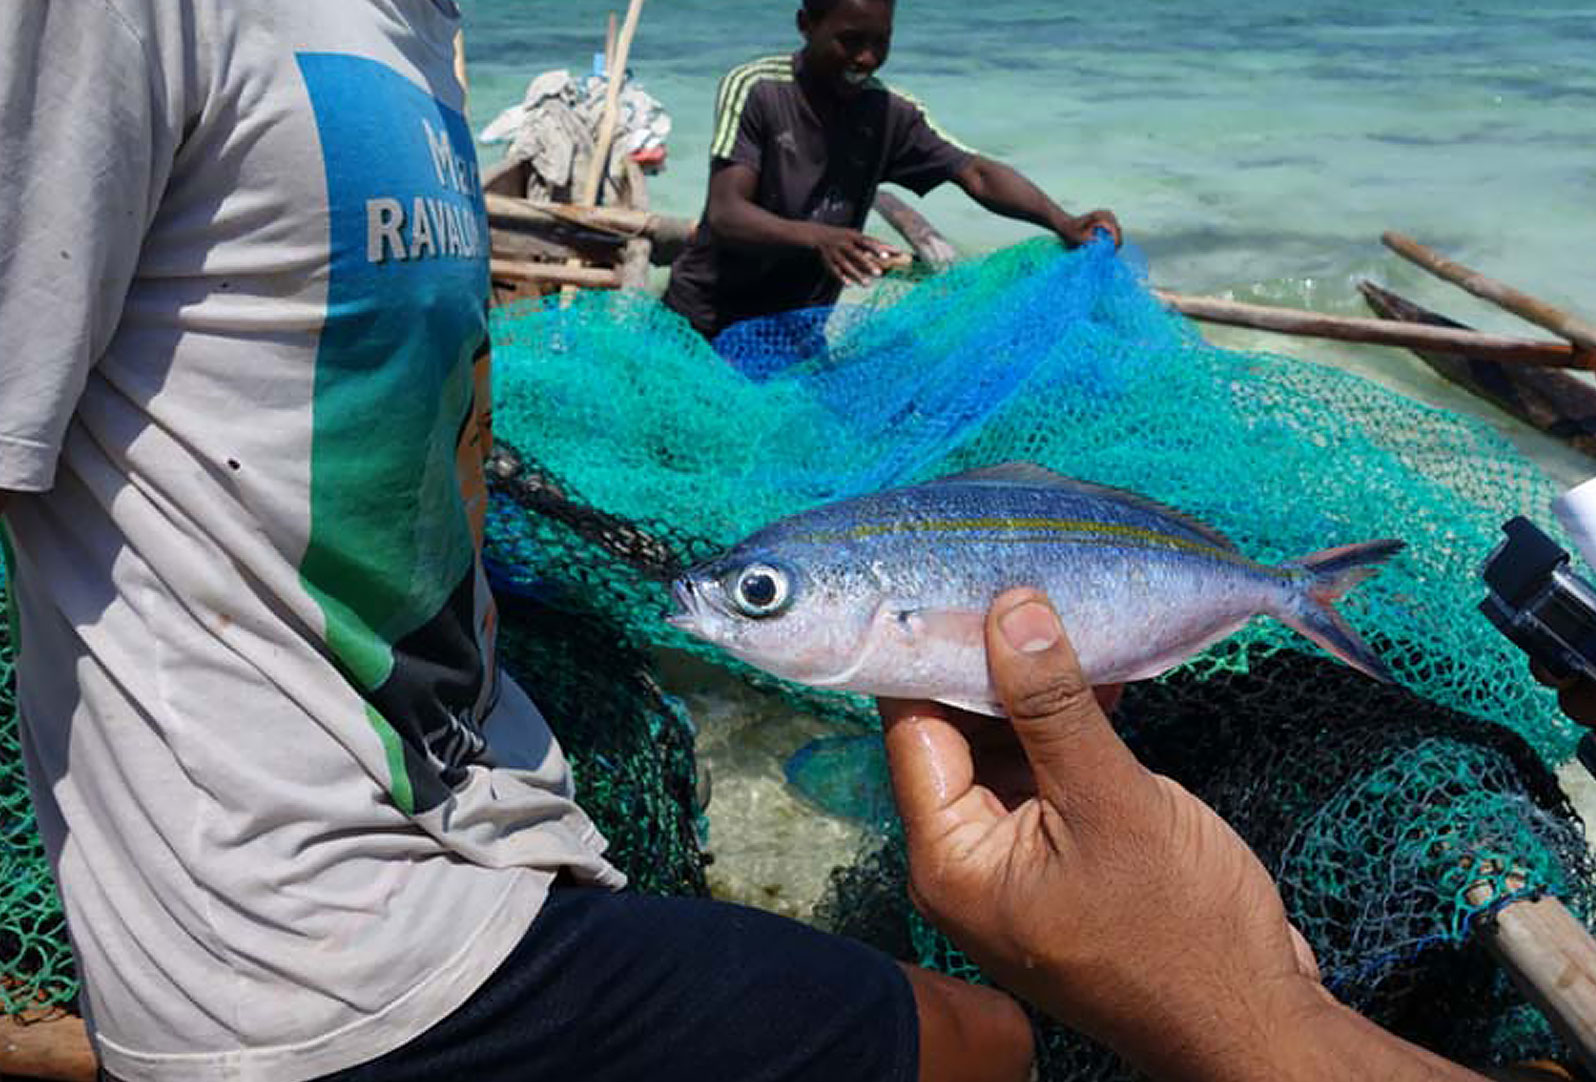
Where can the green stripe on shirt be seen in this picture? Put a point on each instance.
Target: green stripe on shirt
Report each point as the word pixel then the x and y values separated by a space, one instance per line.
pixel 740 72
pixel 733 98
pixel 925 114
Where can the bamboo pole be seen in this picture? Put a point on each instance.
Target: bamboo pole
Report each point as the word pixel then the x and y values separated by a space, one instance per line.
pixel 616 75
pixel 931 246
pixel 609 45
pixel 554 274
pixel 1384 332
pixel 50 1047
pixel 1538 312
pixel 1551 956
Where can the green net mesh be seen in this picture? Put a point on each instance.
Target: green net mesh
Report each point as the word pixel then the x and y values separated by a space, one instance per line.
pixel 613 406
pixel 630 746
pixel 1392 824
pixel 1395 817
pixel 36 967
pixel 633 449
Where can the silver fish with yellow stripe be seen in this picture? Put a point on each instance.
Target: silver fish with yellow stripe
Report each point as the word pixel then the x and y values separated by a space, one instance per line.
pixel 887 594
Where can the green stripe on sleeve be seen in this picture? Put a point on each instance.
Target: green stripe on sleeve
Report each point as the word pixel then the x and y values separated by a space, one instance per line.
pixel 739 74
pixel 735 90
pixel 925 114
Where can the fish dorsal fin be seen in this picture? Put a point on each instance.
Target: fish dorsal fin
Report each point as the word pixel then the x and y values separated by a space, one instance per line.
pixel 1011 473
pixel 1029 473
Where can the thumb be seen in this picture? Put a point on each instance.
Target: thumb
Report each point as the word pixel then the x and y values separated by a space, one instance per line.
pixel 1073 750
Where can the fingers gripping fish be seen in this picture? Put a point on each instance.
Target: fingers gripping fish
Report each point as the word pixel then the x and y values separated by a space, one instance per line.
pixel 887 594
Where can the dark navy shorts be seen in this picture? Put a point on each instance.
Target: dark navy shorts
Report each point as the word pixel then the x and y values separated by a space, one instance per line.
pixel 608 987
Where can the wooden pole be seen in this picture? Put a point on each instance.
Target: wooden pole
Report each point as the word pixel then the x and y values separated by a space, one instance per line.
pixel 1551 956
pixel 616 75
pixel 609 46
pixel 931 246
pixel 550 275
pixel 50 1047
pixel 1538 312
pixel 640 249
pixel 1382 332
pixel 622 223
pixel 460 63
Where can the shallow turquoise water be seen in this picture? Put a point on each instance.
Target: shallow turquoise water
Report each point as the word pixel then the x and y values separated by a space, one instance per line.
pixel 1243 144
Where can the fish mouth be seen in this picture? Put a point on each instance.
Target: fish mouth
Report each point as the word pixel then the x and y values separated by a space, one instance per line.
pixel 684 594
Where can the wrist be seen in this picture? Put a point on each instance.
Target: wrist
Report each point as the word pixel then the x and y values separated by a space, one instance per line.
pixel 1299 1033
pixel 1285 1031
pixel 1062 223
pixel 808 235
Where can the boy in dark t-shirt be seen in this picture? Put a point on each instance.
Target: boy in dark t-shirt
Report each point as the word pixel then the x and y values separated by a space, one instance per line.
pixel 801 143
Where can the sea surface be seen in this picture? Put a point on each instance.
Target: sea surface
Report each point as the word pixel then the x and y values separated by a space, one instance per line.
pixel 1251 149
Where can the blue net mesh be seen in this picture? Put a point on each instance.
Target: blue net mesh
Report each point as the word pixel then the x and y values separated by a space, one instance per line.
pixel 634 449
pixel 631 448
pixel 1062 359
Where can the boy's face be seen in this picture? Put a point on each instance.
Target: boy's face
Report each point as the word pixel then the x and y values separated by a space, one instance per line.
pixel 848 45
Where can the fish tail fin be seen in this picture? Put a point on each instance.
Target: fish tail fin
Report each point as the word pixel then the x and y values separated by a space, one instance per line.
pixel 1331 575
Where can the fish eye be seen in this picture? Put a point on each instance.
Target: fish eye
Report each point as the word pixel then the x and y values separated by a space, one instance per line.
pixel 761 590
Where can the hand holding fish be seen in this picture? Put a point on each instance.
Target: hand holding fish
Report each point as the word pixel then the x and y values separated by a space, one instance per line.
pixel 1112 898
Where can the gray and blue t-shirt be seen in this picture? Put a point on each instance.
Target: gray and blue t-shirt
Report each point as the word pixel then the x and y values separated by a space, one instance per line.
pixel 296 813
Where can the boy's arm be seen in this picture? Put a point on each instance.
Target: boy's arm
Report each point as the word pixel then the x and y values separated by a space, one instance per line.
pixel 1006 191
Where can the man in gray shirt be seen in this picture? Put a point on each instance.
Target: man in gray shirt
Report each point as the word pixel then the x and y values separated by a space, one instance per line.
pixel 801 143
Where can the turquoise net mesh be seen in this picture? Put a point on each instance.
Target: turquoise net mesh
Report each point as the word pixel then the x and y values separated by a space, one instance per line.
pixel 634 449
pixel 631 449
pixel 36 968
pixel 1062 359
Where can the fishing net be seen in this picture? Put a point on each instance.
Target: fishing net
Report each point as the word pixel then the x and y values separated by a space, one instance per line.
pixel 36 969
pixel 1392 824
pixel 633 440
pixel 1395 817
pixel 629 745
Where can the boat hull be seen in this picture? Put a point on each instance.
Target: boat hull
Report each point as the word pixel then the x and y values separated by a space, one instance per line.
pixel 1557 402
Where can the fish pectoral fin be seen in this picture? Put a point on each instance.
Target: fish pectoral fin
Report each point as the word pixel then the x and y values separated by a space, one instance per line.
pixel 961 626
pixel 974 706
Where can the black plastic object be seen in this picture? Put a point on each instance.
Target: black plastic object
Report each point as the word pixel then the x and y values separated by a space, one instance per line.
pixel 1539 603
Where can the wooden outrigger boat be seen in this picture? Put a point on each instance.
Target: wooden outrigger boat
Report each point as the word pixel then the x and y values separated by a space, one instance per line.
pixel 1555 401
pixel 541 248
pixel 1528 378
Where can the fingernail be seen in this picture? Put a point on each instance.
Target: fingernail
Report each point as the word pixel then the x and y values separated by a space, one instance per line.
pixel 1030 627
